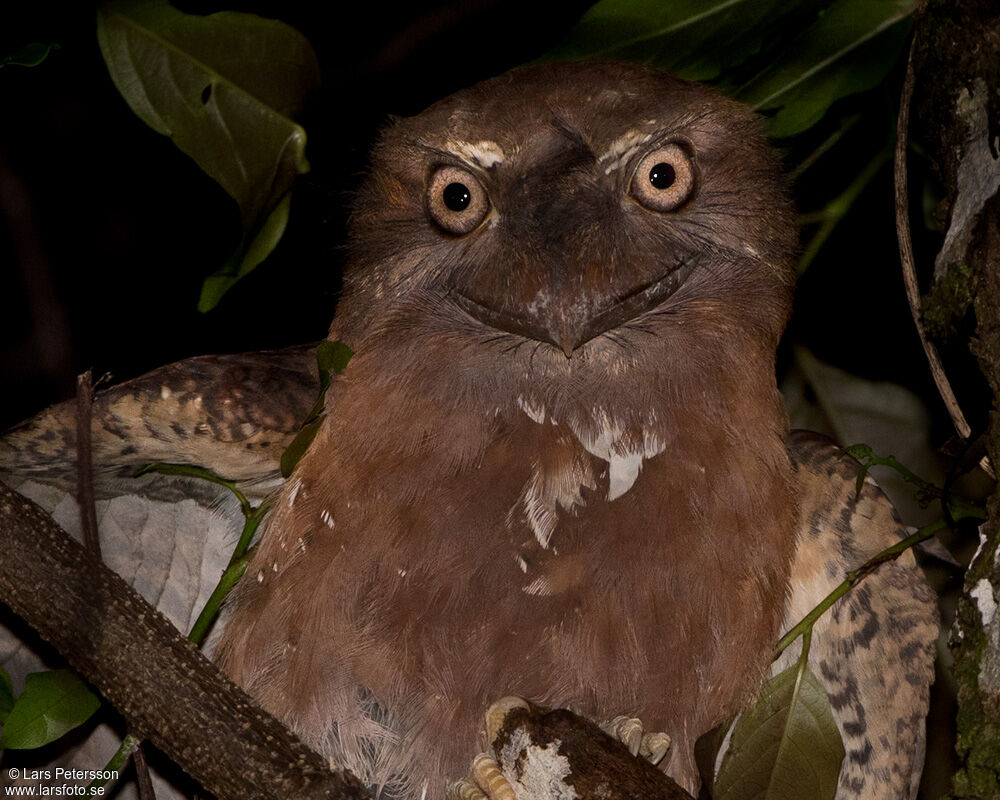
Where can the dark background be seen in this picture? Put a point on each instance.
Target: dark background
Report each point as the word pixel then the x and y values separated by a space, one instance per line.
pixel 107 230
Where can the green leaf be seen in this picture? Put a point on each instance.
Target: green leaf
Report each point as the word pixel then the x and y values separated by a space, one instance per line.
pixel 849 49
pixel 294 452
pixel 245 260
pixel 787 747
pixel 6 695
pixel 695 39
pixel 30 55
pixel 331 357
pixel 221 87
pixel 192 471
pixel 52 704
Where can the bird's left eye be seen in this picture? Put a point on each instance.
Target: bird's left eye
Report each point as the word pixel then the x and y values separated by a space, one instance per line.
pixel 665 178
pixel 456 200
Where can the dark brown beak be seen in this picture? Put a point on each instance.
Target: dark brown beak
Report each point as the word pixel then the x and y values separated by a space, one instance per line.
pixel 563 324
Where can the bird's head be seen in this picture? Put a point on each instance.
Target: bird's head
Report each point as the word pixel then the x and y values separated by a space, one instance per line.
pixel 562 223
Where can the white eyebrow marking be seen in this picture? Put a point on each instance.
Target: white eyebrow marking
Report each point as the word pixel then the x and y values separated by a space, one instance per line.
pixel 486 154
pixel 622 149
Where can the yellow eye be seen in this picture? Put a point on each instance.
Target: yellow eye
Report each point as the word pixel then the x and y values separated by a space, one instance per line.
pixel 456 200
pixel 665 178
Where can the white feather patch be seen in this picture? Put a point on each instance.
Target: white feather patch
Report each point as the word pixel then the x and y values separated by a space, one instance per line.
pixel 622 149
pixel 539 586
pixel 535 412
pixel 604 440
pixel 622 472
pixel 486 154
pixel 546 494
pixel 294 493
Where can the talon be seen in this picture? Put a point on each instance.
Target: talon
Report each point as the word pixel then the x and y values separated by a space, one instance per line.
pixel 464 790
pixel 486 773
pixel 497 712
pixel 654 747
pixel 613 727
pixel 632 736
pixel 627 730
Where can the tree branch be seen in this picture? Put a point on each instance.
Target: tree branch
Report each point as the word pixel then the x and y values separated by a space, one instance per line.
pixel 137 659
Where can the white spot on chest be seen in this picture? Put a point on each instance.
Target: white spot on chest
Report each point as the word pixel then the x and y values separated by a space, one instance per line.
pixel 294 493
pixel 605 440
pixel 546 493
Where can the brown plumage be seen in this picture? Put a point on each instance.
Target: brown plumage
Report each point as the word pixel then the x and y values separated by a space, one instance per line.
pixel 555 466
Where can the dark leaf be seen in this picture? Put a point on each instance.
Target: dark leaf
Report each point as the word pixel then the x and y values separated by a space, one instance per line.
pixel 221 87
pixel 331 357
pixel 246 258
pixel 298 447
pixel 6 695
pixel 30 55
pixel 849 49
pixel 695 39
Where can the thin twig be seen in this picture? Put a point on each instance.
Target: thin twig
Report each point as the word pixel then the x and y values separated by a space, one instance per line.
pixel 225 585
pixel 84 465
pixel 142 775
pixel 117 763
pixel 825 146
pixel 853 578
pixel 906 254
pixel 837 209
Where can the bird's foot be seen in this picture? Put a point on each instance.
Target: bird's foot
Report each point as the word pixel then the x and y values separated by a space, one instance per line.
pixel 629 731
pixel 484 782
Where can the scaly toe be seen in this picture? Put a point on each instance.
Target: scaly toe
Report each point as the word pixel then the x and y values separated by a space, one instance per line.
pixel 627 730
pixel 654 747
pixel 486 773
pixel 464 790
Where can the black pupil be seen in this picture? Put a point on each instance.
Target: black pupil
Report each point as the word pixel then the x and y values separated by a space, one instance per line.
pixel 662 176
pixel 457 196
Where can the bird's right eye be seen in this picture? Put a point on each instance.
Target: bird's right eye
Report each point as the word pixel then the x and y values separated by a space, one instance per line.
pixel 456 200
pixel 665 179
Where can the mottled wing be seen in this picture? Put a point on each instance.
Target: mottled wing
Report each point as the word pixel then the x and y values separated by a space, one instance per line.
pixel 169 538
pixel 233 414
pixel 874 649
